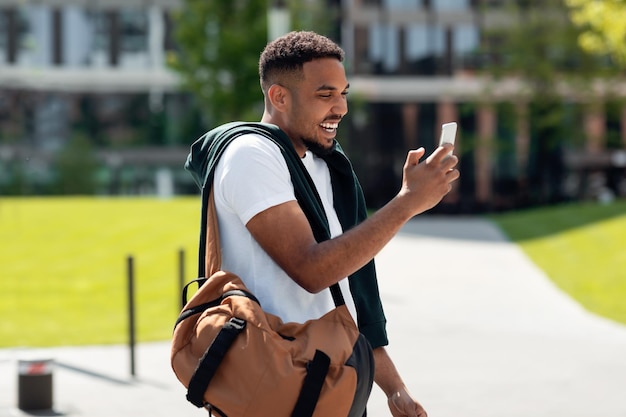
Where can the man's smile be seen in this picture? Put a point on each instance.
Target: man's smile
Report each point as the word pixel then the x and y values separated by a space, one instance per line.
pixel 330 127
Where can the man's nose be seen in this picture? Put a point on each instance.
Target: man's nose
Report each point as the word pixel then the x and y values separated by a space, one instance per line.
pixel 341 106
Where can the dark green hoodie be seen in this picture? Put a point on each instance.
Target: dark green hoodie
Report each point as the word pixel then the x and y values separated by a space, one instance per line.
pixel 348 202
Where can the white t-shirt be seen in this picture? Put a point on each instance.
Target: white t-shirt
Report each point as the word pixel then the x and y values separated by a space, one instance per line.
pixel 252 176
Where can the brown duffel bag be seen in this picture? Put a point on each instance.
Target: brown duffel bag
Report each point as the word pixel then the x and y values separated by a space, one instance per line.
pixel 239 361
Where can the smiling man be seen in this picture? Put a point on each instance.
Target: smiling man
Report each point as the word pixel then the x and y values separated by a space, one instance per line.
pixel 267 239
pixel 309 103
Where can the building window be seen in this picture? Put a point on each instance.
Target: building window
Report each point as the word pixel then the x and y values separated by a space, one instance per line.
pixel 424 47
pixel 120 38
pixel 134 38
pixel 4 36
pixel 384 48
pixel 28 48
pixel 101 41
pixel 450 4
pixel 466 46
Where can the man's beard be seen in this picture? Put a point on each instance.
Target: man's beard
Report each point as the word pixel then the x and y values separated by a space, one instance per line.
pixel 318 149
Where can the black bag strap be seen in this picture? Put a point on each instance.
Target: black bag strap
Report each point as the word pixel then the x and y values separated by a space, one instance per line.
pixel 211 359
pixel 317 369
pixel 309 206
pixel 312 385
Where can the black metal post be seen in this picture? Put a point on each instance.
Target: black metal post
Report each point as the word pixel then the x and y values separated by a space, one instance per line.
pixel 181 274
pixel 131 314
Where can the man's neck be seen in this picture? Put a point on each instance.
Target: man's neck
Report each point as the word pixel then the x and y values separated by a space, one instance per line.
pixel 298 146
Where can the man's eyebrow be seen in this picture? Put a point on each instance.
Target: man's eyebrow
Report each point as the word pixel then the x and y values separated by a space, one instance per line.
pixel 325 87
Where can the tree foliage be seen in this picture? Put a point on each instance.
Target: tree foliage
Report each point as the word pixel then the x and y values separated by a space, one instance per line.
pixel 76 167
pixel 538 46
pixel 604 27
pixel 219 43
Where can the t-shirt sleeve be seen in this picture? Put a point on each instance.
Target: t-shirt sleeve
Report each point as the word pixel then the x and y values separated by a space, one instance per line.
pixel 252 176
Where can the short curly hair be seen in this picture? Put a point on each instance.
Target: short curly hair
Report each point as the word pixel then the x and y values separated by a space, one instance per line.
pixel 285 56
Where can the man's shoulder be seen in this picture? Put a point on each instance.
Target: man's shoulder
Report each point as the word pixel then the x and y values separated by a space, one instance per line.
pixel 252 143
pixel 233 129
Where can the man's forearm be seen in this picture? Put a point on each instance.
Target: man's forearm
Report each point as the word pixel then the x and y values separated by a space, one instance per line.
pixel 285 233
pixel 386 375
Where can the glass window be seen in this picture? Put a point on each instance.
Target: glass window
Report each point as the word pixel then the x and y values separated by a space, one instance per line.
pixel 466 45
pixel 100 24
pixel 77 36
pixel 417 42
pixel 31 22
pixel 4 36
pixel 384 41
pixel 424 47
pixel 466 39
pixel 134 30
pixel 450 4
pixel 134 38
pixel 401 4
pixel 131 25
pixel 424 40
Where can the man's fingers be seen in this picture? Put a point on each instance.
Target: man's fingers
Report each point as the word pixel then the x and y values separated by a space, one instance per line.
pixel 440 153
pixel 414 156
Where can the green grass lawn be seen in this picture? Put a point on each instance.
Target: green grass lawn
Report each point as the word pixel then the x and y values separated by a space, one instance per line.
pixel 63 264
pixel 581 247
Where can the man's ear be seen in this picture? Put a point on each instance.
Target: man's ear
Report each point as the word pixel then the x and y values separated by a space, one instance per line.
pixel 278 96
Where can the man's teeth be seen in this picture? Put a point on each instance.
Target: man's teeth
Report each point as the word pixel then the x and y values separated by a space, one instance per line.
pixel 330 126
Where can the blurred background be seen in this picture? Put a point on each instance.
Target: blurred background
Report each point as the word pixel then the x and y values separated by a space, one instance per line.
pixel 104 97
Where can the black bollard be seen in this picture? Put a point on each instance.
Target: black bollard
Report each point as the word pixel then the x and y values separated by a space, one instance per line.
pixel 34 384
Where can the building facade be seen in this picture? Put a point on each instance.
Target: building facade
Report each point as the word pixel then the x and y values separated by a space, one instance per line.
pixel 412 66
pixel 91 70
pixel 417 64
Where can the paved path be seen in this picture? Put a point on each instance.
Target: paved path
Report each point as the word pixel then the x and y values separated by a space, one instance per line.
pixel 476 329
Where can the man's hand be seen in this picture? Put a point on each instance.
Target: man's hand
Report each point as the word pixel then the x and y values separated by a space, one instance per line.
pixel 425 183
pixel 401 404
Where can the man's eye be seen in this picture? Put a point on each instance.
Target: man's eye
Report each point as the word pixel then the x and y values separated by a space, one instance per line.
pixel 329 95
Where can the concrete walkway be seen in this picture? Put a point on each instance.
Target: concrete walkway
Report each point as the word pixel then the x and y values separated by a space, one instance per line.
pixel 476 330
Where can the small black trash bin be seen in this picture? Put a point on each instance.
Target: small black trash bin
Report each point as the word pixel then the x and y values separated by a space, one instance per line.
pixel 34 384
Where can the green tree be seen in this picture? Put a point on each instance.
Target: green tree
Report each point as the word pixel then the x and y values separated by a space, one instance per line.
pixel 539 44
pixel 76 166
pixel 604 27
pixel 219 43
pixel 538 47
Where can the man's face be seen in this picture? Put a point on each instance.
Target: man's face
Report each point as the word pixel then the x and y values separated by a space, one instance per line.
pixel 318 103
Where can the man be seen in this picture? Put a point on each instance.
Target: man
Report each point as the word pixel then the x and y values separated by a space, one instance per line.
pixel 265 236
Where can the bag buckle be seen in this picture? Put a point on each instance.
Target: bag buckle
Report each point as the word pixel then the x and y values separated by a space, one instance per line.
pixel 236 323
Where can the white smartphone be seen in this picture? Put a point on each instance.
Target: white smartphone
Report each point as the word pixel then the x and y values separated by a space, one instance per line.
pixel 448 133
